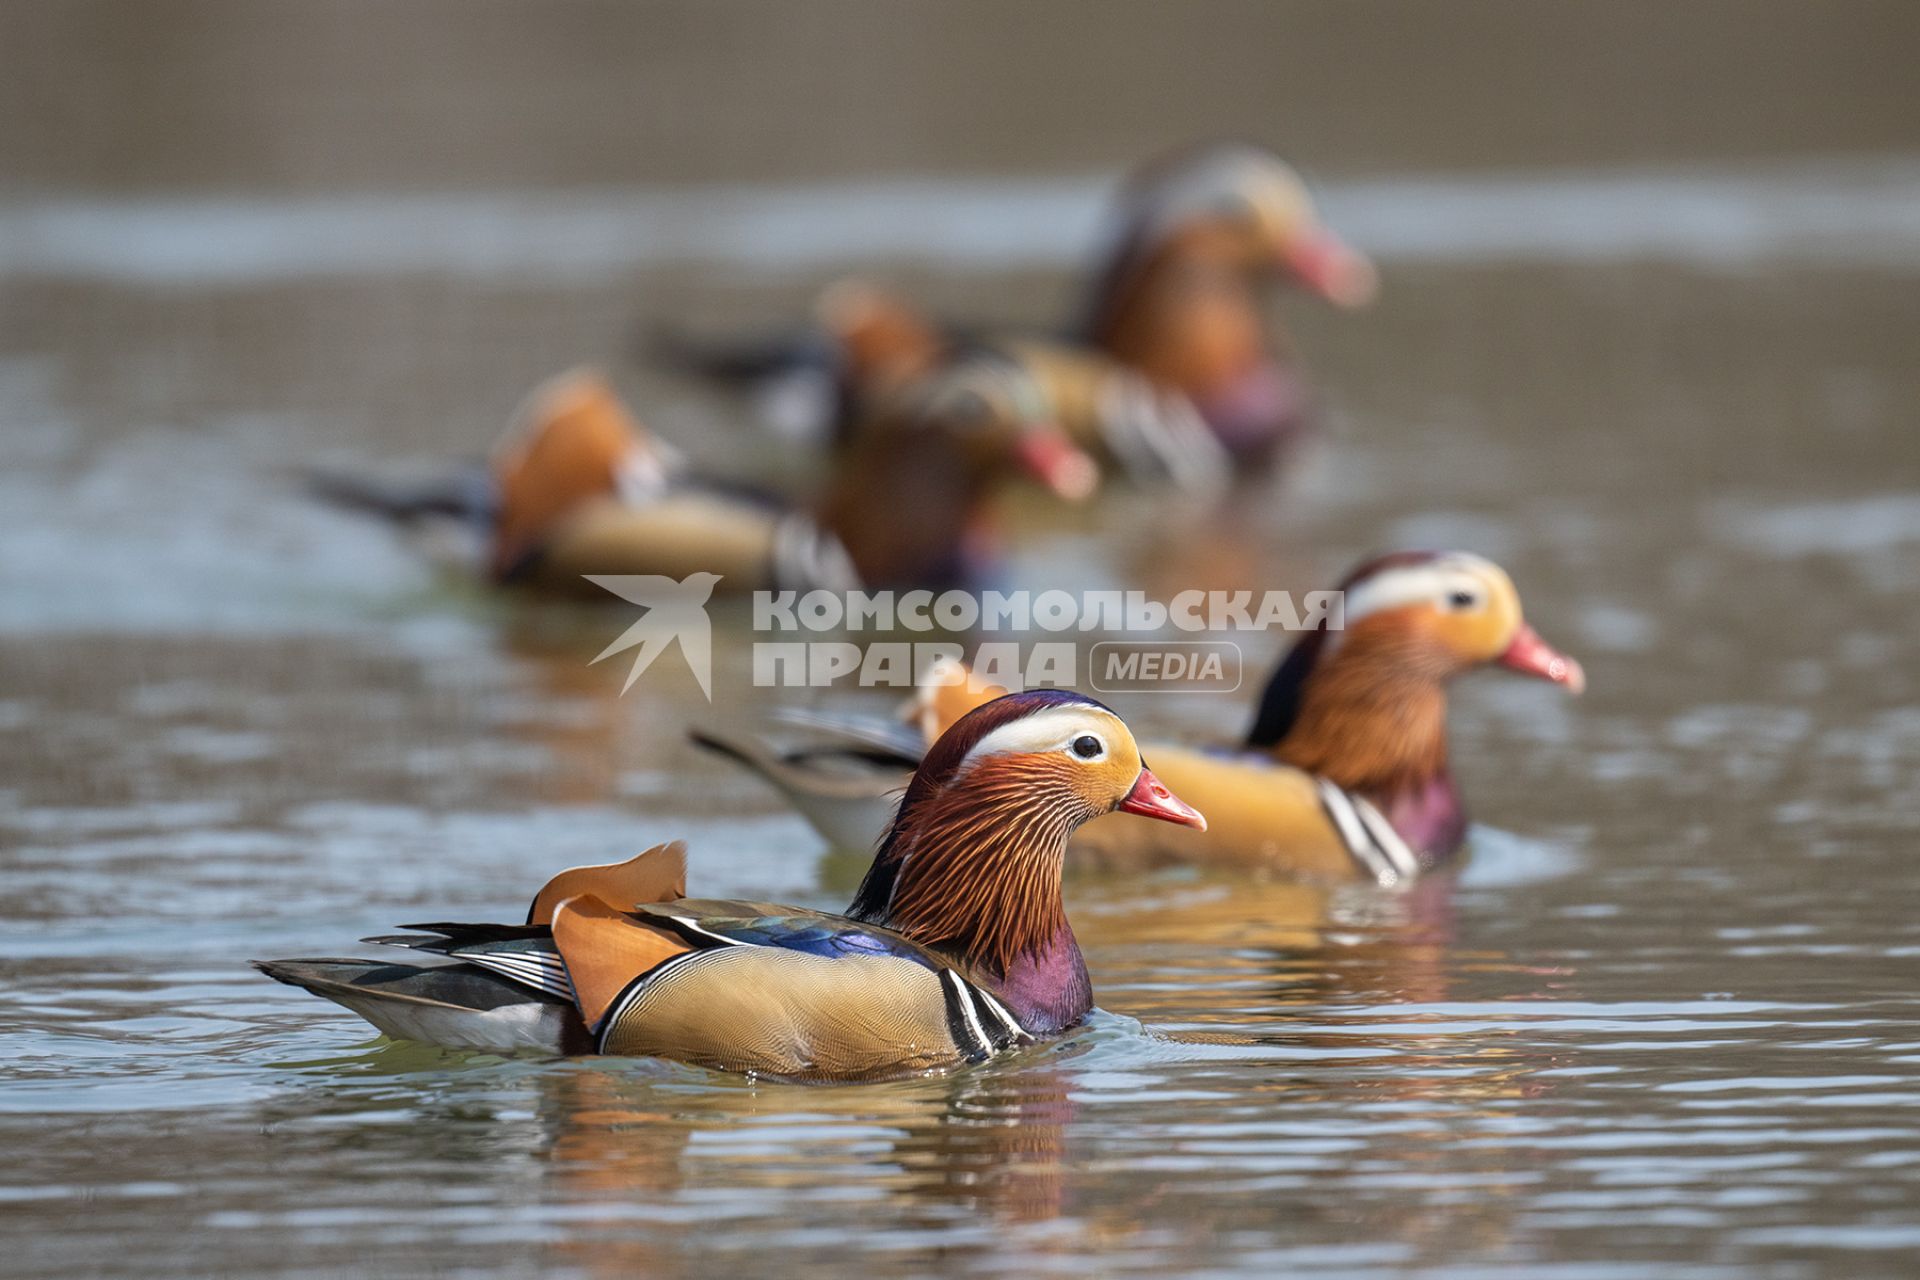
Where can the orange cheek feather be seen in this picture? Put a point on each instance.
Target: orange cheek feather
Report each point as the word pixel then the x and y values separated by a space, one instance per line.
pixel 1472 637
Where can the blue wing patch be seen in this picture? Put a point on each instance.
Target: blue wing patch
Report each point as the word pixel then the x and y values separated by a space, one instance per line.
pixel 814 933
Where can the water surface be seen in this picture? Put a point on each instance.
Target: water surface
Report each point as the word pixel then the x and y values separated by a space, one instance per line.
pixel 1664 1020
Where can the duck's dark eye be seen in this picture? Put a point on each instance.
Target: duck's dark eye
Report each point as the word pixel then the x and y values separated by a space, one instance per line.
pixel 1086 746
pixel 1462 600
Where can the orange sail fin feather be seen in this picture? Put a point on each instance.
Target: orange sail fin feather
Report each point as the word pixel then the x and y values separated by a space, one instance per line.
pixel 657 875
pixel 605 949
pixel 884 343
pixel 568 446
pixel 945 692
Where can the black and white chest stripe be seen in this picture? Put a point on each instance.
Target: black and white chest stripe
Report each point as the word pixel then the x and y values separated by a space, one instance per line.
pixel 1159 435
pixel 979 1024
pixel 1380 850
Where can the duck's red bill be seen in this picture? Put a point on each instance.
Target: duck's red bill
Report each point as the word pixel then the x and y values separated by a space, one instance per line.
pixel 1059 464
pixel 1150 798
pixel 1531 655
pixel 1342 275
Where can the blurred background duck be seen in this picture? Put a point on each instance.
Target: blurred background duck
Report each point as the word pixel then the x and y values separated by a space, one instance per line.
pixel 1177 296
pixel 578 487
pixel 956 946
pixel 881 344
pixel 1198 237
pixel 912 488
pixel 1345 773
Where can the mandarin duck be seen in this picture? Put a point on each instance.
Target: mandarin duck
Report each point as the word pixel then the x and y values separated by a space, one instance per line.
pixel 1196 236
pixel 1175 297
pixel 911 490
pixel 876 345
pixel 1146 431
pixel 860 342
pixel 1343 775
pixel 955 947
pixel 578 487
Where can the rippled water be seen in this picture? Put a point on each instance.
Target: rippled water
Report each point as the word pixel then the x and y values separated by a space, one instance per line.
pixel 1664 1020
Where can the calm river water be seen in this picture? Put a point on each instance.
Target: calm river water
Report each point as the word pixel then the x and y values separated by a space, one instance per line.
pixel 1666 1019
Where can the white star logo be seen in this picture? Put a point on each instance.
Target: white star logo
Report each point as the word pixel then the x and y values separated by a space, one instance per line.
pixel 675 610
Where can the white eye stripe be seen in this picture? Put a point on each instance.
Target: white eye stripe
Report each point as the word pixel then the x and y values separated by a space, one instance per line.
pixel 1259 182
pixel 1433 583
pixel 1053 729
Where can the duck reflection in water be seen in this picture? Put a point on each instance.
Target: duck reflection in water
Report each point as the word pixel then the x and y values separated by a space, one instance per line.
pixel 991 1142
